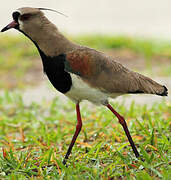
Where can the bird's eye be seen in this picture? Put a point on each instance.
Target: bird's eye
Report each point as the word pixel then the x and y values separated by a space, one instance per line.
pixel 25 17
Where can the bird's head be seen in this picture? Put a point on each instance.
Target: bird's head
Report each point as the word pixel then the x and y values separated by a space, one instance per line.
pixel 26 20
pixel 29 20
pixel 33 23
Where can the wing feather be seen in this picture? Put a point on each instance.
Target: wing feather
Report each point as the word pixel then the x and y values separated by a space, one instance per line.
pixel 103 72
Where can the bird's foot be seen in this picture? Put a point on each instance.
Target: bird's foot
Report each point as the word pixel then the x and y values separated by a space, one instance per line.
pixel 64 162
pixel 141 158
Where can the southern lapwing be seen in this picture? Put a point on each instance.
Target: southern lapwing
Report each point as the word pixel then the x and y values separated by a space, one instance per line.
pixel 79 72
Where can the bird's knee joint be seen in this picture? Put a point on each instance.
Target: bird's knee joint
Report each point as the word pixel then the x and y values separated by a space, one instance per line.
pixel 79 126
pixel 122 120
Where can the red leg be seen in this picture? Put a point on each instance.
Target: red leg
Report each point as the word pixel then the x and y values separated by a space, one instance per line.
pixel 125 127
pixel 77 131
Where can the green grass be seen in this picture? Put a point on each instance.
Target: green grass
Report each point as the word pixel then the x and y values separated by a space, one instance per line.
pixel 35 138
pixel 15 51
pixel 16 58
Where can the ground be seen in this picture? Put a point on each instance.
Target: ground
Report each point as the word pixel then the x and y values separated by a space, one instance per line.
pixel 37 123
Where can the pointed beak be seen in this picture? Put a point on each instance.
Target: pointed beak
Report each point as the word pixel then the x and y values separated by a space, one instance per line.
pixel 13 24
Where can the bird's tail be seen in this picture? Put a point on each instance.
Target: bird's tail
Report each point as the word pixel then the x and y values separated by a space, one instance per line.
pixel 148 86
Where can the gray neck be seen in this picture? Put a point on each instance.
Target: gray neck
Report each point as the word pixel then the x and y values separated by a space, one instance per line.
pixel 54 43
pixel 50 41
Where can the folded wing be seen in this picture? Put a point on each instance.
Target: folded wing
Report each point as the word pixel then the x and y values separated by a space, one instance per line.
pixel 103 72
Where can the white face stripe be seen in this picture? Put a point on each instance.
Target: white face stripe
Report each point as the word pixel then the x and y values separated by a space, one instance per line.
pixel 18 11
pixel 20 24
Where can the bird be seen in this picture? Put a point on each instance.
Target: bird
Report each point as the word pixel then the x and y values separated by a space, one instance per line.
pixel 79 72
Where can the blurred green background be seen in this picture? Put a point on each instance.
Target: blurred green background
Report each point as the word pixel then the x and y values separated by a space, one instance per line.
pixel 20 62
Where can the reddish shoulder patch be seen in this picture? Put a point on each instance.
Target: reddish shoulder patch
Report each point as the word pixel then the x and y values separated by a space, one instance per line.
pixel 80 62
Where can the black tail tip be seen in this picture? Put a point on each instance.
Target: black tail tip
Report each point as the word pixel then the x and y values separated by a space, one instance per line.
pixel 165 92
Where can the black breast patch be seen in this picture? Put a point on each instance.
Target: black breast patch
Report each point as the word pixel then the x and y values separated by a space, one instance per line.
pixel 54 69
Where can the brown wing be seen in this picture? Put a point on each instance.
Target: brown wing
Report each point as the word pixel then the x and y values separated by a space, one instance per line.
pixel 102 72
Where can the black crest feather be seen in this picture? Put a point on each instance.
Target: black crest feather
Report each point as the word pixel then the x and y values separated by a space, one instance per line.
pixel 47 9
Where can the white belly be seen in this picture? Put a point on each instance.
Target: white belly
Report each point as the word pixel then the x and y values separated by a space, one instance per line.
pixel 82 91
